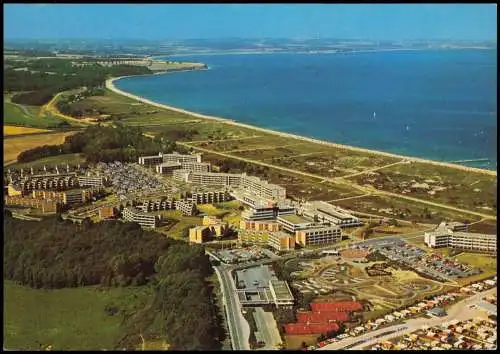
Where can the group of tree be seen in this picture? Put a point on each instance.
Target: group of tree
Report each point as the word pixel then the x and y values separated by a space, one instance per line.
pixel 104 144
pixel 53 253
pixel 41 79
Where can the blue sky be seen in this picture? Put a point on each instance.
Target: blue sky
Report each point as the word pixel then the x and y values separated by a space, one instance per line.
pixel 176 21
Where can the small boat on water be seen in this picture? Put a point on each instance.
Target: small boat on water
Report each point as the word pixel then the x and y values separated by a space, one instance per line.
pixel 374 115
pixel 407 127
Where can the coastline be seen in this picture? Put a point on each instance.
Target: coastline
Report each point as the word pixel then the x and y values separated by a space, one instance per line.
pixel 110 85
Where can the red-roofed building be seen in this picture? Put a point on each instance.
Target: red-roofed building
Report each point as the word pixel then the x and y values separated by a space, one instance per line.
pixel 338 306
pixel 322 316
pixel 312 328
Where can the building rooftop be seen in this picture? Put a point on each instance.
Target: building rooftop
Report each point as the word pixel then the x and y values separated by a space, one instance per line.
pixel 295 219
pixel 281 290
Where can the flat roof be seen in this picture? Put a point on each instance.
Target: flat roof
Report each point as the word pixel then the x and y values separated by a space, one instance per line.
pixel 294 219
pixel 281 290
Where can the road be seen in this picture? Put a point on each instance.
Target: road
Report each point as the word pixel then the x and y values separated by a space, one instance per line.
pixel 239 329
pixel 460 311
pixel 340 180
pixel 52 109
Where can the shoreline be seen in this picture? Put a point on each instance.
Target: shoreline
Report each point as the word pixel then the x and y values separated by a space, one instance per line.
pixel 312 52
pixel 110 86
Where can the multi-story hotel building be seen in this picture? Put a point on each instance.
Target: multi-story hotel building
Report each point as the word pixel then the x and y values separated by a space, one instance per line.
pixel 151 160
pixel 155 205
pixel 318 235
pixel 46 206
pixel 271 226
pixel 325 212
pixel 72 196
pixel 210 197
pixel 49 181
pixel 140 217
pixel 263 188
pixel 196 166
pixel 176 157
pixel 215 178
pixel 281 241
pixel 253 237
pixel 462 240
pixel 167 168
pixel 181 175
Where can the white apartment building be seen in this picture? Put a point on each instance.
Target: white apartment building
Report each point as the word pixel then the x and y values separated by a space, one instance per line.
pixel 319 235
pixel 462 240
pixel 196 166
pixel 151 160
pixel 474 241
pixel 262 188
pixel 140 217
pixel 325 212
pixel 181 175
pixel 267 213
pixel 167 168
pixel 90 181
pixel 215 179
pixel 210 197
pixel 176 157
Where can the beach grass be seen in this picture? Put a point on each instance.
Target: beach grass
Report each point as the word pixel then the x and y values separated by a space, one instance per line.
pixel 72 318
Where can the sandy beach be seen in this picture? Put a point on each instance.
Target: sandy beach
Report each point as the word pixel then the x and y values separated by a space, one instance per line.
pixel 110 85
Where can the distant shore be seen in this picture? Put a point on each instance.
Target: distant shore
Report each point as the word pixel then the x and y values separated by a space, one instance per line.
pixel 110 85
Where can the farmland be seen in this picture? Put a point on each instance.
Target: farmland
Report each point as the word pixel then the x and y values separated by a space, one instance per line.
pixel 13 146
pixel 9 130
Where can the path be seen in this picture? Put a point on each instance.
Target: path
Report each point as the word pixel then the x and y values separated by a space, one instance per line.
pixel 340 180
pixel 356 196
pixel 52 109
pixel 374 169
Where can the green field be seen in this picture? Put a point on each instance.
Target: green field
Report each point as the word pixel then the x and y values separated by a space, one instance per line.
pixel 65 318
pixel 51 161
pixel 14 115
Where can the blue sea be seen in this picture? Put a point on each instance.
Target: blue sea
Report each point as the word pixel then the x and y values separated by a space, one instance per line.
pixel 436 104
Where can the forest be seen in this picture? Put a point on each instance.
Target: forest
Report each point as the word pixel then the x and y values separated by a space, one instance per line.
pixel 104 144
pixel 36 82
pixel 53 253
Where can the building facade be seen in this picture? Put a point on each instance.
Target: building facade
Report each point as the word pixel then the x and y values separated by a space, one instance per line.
pixel 144 219
pixel 49 182
pixel 319 235
pixel 45 206
pixel 486 243
pixel 167 168
pixel 253 237
pixel 292 223
pixel 151 160
pixel 281 241
pixel 91 181
pixel 271 226
pixel 196 166
pixel 210 197
pixel 176 157
pixel 199 234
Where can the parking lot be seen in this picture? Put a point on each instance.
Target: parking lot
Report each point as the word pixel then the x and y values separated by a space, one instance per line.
pixel 129 179
pixel 431 264
pixel 241 255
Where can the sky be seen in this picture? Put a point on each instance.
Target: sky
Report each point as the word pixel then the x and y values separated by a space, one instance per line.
pixel 182 21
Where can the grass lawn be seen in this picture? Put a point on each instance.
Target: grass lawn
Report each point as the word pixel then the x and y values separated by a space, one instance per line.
pixel 9 130
pixel 294 342
pixel 13 146
pixel 181 222
pixel 488 264
pixel 14 115
pixel 72 318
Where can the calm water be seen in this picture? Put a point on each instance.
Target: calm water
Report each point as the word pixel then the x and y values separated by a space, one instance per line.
pixel 439 105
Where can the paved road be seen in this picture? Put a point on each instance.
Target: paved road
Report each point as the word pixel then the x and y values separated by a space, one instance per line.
pixel 266 326
pixel 460 311
pixel 340 180
pixel 238 327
